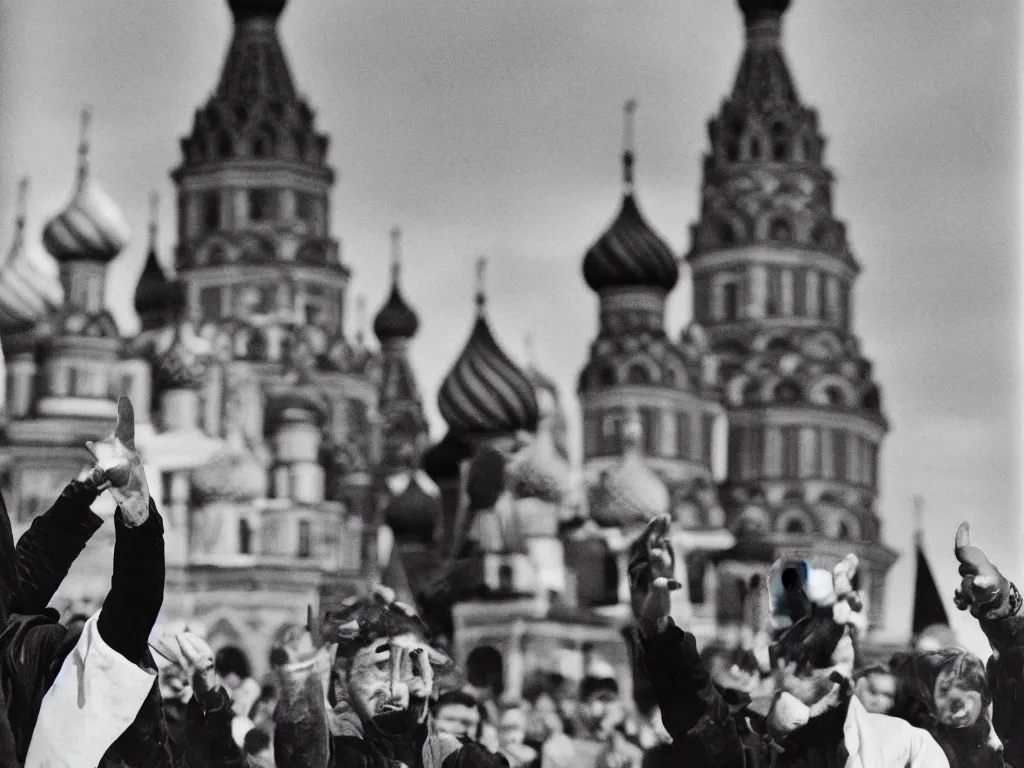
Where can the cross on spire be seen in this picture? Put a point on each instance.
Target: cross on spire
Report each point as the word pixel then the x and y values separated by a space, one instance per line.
pixel 628 144
pixel 83 144
pixel 481 290
pixel 22 201
pixel 396 254
pixel 918 519
pixel 154 215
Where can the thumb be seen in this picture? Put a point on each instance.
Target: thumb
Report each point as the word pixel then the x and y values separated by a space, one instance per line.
pixel 963 538
pixel 665 585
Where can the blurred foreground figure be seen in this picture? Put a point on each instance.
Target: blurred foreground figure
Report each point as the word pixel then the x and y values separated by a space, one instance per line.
pixel 378 670
pixel 813 720
pixel 599 741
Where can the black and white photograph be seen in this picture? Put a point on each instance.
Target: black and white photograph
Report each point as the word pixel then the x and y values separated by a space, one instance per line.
pixel 538 384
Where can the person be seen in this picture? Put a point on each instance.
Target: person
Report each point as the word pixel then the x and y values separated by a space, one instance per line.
pixel 512 736
pixel 599 740
pixel 814 718
pixel 875 686
pixel 378 669
pixel 997 605
pixel 951 690
pixel 87 699
pixel 457 714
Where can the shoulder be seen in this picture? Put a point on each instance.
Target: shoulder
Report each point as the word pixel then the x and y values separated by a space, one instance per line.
pixel 474 756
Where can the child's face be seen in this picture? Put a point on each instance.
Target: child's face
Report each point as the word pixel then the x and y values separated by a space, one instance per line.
pixel 877 692
pixel 955 706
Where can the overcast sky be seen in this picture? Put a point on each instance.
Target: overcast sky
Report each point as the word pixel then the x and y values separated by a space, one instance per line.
pixel 483 126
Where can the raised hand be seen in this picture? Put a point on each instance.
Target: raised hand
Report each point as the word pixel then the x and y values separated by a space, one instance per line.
pixel 651 576
pixel 192 654
pixel 122 466
pixel 983 589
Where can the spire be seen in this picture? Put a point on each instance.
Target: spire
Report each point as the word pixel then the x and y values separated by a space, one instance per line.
pixel 628 146
pixel 764 21
pixel 360 319
pixel 154 216
pixel 531 351
pixel 396 255
pixel 481 291
pixel 929 609
pixel 22 209
pixel 246 10
pixel 83 146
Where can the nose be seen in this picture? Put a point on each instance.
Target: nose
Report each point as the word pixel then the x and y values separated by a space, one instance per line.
pixel 399 695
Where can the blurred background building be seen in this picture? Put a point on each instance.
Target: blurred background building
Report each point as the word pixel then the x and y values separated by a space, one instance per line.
pixel 291 458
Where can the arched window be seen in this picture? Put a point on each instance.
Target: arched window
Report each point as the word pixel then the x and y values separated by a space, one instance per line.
pixel 244 537
pixel 730 301
pixel 834 395
pixel 787 392
pixel 506 582
pixel 305 548
pixel 726 234
pixel 608 377
pixel 216 255
pixel 780 142
pixel 485 669
pixel 755 148
pixel 844 533
pixel 796 527
pixel 732 150
pixel 780 231
pixel 211 211
pixel 225 148
pixel 638 374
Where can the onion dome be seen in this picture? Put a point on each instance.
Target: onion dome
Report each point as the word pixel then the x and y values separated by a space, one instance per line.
pixel 159 300
pixel 234 474
pixel 631 493
pixel 244 10
pixel 630 253
pixel 396 319
pixel 30 286
pixel 540 471
pixel 754 10
pixel 91 227
pixel 183 365
pixel 485 392
pixel 414 509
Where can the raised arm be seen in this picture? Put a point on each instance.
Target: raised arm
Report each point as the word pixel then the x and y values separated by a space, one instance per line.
pixel 692 710
pixel 54 540
pixel 997 604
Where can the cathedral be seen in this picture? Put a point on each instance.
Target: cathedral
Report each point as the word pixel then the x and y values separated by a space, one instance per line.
pixel 290 455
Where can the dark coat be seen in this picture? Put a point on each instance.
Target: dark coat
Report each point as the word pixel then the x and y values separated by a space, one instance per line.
pixel 1006 682
pixel 376 752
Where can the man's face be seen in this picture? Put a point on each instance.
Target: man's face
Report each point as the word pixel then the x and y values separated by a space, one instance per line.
pixel 459 721
pixel 955 706
pixel 601 713
pixel 543 720
pixel 174 683
pixel 380 676
pixel 511 728
pixel 877 692
pixel 808 686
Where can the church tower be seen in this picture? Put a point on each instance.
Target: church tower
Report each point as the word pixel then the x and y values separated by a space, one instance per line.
pixel 773 278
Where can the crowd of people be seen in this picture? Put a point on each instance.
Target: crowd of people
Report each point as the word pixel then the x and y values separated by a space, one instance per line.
pixel 365 686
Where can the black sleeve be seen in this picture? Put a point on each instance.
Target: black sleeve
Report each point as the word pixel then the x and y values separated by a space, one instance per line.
pixel 47 550
pixel 208 738
pixel 1006 678
pixel 136 587
pixel 694 714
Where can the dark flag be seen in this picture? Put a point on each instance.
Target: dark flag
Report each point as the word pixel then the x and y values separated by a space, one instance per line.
pixel 929 609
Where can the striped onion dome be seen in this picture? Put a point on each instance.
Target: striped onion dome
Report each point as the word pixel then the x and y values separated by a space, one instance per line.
pixel 485 392
pixel 234 474
pixel 631 493
pixel 91 227
pixel 630 254
pixel 30 286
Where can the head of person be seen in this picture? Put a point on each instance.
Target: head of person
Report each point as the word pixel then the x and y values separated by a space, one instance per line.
pixel 173 681
pixel 511 726
pixel 458 714
pixel 599 709
pixel 384 663
pixel 542 718
pixel 732 669
pixel 935 638
pixel 258 747
pixel 876 689
pixel 232 667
